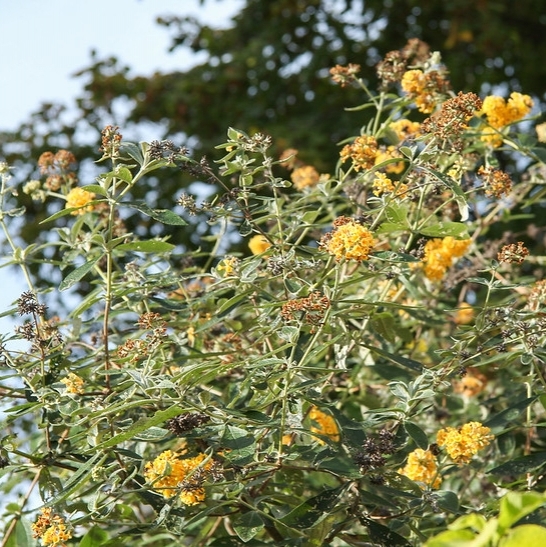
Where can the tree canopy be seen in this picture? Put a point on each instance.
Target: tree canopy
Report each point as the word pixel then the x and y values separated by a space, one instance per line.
pixel 268 72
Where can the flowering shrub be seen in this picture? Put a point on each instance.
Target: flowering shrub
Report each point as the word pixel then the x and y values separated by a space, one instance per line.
pixel 370 371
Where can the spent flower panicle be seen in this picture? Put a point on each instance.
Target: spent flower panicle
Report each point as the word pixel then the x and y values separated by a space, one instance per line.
pixel 496 182
pixel 514 253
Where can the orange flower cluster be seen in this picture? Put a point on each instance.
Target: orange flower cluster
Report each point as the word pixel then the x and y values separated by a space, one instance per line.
pixel 384 185
pixel 500 113
pixel 74 384
pixel 472 383
pixel 427 89
pixel 304 176
pixel 78 197
pixel 169 475
pixel 349 240
pixel 51 529
pixel 405 129
pixel 422 466
pixel 326 425
pixel 363 152
pixel 258 244
pixel 439 255
pixel 464 442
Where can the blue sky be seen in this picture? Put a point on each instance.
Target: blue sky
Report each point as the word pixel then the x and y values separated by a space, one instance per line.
pixel 43 42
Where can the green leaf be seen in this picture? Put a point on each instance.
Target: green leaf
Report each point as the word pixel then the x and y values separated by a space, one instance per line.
pixel 21 536
pixel 395 358
pixel 248 525
pixel 241 445
pixel 385 536
pixel 527 534
pixel 509 415
pixel 383 324
pixel 516 505
pixel 310 511
pixel 75 275
pixel 96 189
pixel 132 150
pixel 417 434
pixel 458 193
pixel 444 229
pixel 451 538
pixel 397 213
pixel 150 246
pixel 124 174
pixel 139 427
pixel 522 465
pixel 95 537
pixel 164 216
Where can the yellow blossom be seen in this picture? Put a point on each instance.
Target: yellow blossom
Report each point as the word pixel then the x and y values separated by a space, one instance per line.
pixel 541 132
pixel 464 314
pixel 326 425
pixel 349 240
pixel 168 474
pixel 500 113
pixel 78 197
pixel 51 529
pixel 384 185
pixel 74 384
pixel 388 154
pixel 464 442
pixel 422 467
pixel 405 129
pixel 471 384
pixel 439 255
pixel 304 176
pixel 227 266
pixel 258 244
pixel 363 152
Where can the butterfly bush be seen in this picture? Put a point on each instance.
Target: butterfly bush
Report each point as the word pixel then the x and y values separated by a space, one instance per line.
pixel 358 361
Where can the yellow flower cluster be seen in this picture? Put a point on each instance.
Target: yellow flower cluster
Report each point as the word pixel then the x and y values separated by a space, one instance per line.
pixel 78 197
pixel 390 153
pixel 439 255
pixel 422 467
pixel 304 176
pixel 362 152
pixel 464 442
pixel 168 474
pixel 349 240
pixel 471 384
pixel 74 384
pixel 404 129
pixel 51 529
pixel 326 425
pixel 500 113
pixel 464 314
pixel 384 185
pixel 228 266
pixel 426 89
pixel 258 244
